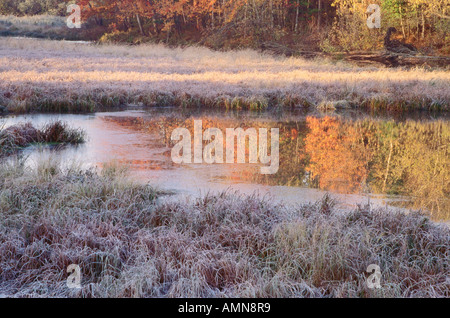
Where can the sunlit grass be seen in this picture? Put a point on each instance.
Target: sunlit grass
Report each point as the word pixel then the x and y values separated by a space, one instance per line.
pixel 41 75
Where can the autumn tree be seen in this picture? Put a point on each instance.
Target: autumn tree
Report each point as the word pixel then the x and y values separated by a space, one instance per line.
pixel 337 24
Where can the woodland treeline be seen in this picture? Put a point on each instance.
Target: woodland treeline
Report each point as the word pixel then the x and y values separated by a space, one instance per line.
pixel 330 25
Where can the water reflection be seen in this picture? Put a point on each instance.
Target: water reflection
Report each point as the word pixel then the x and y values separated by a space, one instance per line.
pixel 352 154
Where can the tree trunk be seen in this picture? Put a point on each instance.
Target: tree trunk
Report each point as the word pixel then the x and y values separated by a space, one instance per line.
pixel 271 14
pixel 155 26
pixel 224 15
pixel 401 21
pixel 139 23
pixel 423 26
pixel 319 7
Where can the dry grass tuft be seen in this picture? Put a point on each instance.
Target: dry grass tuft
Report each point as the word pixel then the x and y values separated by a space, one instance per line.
pixel 130 243
pixel 21 135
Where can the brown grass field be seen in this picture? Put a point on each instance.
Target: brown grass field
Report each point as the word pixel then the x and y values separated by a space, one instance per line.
pixel 44 75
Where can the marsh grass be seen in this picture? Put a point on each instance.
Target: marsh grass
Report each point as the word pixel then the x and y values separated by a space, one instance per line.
pixel 56 76
pixel 130 242
pixel 43 26
pixel 17 137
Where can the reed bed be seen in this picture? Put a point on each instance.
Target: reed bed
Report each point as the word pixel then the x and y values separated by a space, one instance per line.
pixel 44 75
pixel 131 241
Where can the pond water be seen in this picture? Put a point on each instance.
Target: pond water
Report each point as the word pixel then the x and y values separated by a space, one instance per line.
pixel 356 157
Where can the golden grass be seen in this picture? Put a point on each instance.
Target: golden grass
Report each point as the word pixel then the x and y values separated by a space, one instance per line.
pixel 48 75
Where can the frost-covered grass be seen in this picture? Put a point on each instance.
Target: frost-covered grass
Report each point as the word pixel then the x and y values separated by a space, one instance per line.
pixel 32 21
pixel 39 26
pixel 130 242
pixel 14 138
pixel 43 75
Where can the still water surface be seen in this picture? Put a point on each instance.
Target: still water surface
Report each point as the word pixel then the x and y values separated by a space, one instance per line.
pixel 355 157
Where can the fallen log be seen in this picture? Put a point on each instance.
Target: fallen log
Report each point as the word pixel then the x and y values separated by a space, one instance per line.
pixel 397 59
pixel 385 58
